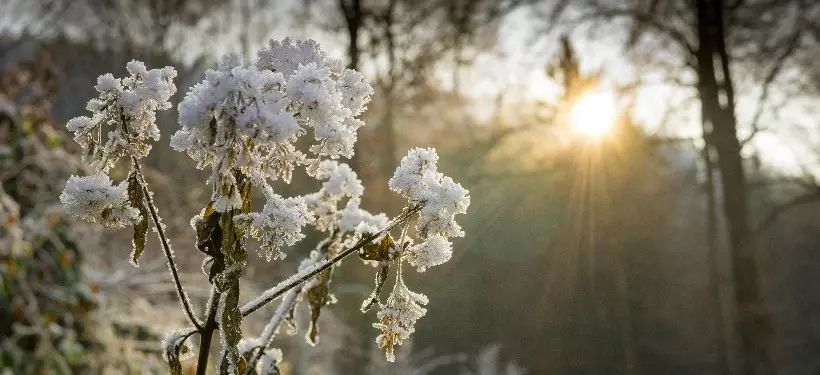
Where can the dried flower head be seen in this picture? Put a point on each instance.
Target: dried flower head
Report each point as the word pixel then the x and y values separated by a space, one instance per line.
pixel 123 120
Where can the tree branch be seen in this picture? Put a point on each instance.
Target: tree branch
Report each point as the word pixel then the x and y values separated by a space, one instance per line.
pixel 791 46
pixel 645 19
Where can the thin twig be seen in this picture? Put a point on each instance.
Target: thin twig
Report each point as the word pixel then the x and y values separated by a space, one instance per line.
pixel 166 247
pixel 207 332
pixel 305 275
pixel 288 301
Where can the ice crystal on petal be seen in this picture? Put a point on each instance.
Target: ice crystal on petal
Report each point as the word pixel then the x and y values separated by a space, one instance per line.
pixel 94 198
pixel 352 217
pixel 410 178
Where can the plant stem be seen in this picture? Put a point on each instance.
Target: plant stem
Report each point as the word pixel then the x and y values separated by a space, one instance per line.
pixel 207 332
pixel 166 247
pixel 288 301
pixel 306 274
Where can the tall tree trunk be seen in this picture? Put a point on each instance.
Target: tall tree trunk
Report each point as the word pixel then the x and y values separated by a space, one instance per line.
pixel 352 12
pixel 715 280
pixel 354 21
pixel 754 322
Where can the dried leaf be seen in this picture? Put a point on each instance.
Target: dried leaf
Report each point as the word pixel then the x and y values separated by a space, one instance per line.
pixel 318 296
pixel 381 279
pixel 137 198
pixel 209 239
pixel 381 252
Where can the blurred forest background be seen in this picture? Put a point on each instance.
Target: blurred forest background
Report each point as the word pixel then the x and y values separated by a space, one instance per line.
pixel 643 173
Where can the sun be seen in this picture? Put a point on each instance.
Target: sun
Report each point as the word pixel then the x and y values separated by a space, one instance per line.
pixel 593 114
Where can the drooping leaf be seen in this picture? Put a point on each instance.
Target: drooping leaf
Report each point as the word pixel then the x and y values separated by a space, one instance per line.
pixel 137 198
pixel 175 349
pixel 209 239
pixel 318 297
pixel 381 278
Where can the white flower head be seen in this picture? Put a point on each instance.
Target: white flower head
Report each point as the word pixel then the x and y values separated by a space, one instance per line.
pixel 123 117
pixel 414 172
pixel 95 199
pixel 279 224
pixel 250 118
pixel 433 251
pixel 441 198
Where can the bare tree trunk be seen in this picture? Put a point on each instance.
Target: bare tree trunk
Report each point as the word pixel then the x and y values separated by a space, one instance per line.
pixel 352 12
pixel 354 21
pixel 723 365
pixel 754 321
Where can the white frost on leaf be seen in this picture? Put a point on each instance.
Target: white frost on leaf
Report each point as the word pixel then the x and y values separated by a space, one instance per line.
pixel 172 345
pixel 269 364
pixel 95 199
pixel 279 224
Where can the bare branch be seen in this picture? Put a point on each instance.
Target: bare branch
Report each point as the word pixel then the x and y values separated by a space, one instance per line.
pixel 791 46
pixel 645 19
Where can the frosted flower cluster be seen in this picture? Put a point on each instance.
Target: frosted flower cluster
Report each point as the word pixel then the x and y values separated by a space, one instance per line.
pixel 123 120
pixel 441 199
pixel 341 183
pixel 95 199
pixel 279 224
pixel 250 118
pixel 123 123
pixel 398 316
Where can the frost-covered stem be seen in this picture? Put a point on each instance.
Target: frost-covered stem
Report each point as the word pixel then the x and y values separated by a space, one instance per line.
pixel 288 301
pixel 166 247
pixel 305 275
pixel 206 333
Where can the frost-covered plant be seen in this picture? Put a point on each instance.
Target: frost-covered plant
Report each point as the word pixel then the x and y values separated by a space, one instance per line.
pixel 250 126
